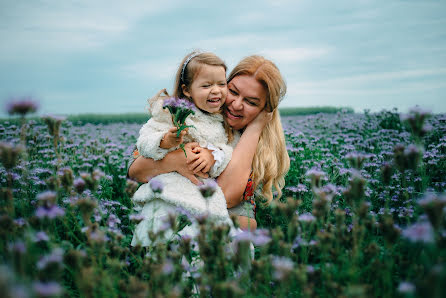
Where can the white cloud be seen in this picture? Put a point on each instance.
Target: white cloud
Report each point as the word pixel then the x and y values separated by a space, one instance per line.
pixel 52 26
pixel 289 55
pixel 149 70
pixel 384 83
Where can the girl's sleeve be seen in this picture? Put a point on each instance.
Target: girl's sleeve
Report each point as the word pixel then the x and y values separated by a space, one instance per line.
pixel 150 135
pixel 222 155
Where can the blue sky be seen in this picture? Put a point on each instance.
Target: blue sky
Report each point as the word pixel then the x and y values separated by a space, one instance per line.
pixel 106 57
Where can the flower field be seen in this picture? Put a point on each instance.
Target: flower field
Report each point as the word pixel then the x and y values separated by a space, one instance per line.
pixel 363 215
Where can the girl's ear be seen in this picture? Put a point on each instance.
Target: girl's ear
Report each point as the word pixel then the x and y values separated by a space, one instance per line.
pixel 185 90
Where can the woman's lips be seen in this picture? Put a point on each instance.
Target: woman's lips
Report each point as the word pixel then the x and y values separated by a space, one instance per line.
pixel 231 115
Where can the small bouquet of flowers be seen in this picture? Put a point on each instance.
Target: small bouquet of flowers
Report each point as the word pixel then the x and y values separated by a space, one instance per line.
pixel 180 109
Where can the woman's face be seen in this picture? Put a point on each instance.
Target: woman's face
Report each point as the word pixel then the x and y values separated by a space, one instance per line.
pixel 246 99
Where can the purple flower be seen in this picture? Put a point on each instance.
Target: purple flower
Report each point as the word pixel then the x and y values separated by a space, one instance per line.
pixel 22 106
pixel 406 287
pixel 112 221
pixel 47 196
pixel 167 267
pixel 178 103
pixel 282 266
pixel 156 185
pixel 41 237
pixel 419 232
pixel 55 258
pixel 17 247
pixel 136 218
pixel 306 217
pixel 50 212
pixel 20 222
pixel 300 188
pixel 49 289
pixel 261 237
pixel 208 188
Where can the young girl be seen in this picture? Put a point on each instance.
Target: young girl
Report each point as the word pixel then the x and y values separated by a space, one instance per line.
pixel 201 78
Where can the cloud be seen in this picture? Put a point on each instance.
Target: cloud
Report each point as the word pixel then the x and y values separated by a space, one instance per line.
pixel 287 55
pixel 149 70
pixel 54 26
pixel 383 83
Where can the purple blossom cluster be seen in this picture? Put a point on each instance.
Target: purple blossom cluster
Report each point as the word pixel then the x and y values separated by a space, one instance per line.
pixel 179 103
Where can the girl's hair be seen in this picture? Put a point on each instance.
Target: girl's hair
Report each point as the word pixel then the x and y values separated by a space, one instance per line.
pixel 271 161
pixel 187 73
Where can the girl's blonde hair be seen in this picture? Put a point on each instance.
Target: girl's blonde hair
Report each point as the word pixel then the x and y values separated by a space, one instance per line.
pixel 271 161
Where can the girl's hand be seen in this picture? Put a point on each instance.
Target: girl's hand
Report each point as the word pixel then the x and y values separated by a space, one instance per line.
pixel 201 161
pixel 170 139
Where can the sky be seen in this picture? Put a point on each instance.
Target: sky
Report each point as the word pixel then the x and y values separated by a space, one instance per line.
pixel 92 56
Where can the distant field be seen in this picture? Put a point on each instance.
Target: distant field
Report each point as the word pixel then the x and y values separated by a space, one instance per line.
pixel 141 117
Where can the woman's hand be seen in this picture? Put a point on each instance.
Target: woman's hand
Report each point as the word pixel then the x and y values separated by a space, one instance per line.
pixel 142 169
pixel 261 120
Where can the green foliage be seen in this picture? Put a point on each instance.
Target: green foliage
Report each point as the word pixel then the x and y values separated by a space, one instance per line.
pixel 346 226
pixel 302 111
pixel 141 118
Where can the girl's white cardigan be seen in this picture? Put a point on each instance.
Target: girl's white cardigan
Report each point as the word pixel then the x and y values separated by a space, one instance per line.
pixel 178 191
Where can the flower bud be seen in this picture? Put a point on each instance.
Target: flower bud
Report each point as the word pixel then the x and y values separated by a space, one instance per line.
pixel 66 177
pixel 131 187
pixel 9 155
pixel 208 188
pixel 156 185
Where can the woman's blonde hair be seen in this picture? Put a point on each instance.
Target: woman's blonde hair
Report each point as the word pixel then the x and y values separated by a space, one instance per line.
pixel 271 161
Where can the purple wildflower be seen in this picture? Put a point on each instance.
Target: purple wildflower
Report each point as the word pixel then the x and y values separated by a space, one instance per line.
pixel 136 218
pixel 47 196
pixel 406 287
pixel 419 232
pixel 20 222
pixel 50 212
pixel 179 103
pixel 167 267
pixel 22 106
pixel 282 267
pixel 300 188
pixel 208 188
pixel 261 237
pixel 41 237
pixel 49 289
pixel 112 221
pixel 17 247
pixel 156 185
pixel 55 258
pixel 306 217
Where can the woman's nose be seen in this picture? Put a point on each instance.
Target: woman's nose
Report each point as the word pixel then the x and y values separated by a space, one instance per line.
pixel 237 103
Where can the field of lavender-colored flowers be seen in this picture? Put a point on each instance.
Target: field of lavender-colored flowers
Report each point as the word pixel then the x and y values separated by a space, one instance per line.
pixel 363 214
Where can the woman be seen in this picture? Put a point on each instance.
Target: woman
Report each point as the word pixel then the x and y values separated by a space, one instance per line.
pixel 259 160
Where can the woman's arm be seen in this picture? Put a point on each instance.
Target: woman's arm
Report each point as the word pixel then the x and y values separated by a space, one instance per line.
pixel 234 178
pixel 142 169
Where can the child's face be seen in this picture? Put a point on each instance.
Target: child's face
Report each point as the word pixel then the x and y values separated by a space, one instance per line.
pixel 208 89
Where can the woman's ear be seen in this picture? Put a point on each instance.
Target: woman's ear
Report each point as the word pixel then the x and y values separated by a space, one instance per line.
pixel 185 90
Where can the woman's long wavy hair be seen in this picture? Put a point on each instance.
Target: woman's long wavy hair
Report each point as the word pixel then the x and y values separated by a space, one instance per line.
pixel 271 161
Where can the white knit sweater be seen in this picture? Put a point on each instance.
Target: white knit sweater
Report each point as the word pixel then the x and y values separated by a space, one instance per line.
pixel 178 191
